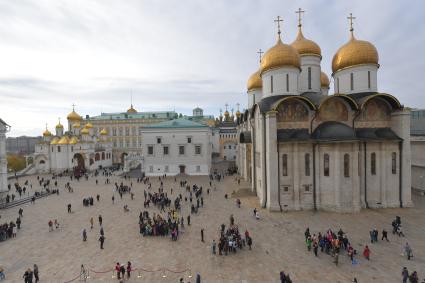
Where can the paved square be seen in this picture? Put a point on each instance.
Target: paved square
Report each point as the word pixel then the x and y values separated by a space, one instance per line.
pixel 278 239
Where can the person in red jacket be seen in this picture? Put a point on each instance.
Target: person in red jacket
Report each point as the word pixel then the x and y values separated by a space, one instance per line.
pixel 366 252
pixel 118 269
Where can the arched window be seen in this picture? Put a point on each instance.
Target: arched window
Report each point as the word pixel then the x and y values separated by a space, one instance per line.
pixel 394 163
pixel 346 165
pixel 271 84
pixel 309 77
pixel 307 164
pixel 373 163
pixel 285 165
pixel 326 164
pixel 287 82
pixel 352 81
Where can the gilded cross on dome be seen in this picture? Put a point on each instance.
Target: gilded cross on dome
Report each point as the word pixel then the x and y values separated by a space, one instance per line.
pixel 351 18
pixel 260 53
pixel 299 12
pixel 73 106
pixel 278 20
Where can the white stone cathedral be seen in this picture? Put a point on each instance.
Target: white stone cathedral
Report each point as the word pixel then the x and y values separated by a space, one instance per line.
pixel 301 148
pixel 78 150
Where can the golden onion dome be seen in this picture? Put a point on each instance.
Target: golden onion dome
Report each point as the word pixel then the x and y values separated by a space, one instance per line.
pixel 85 131
pixel 76 125
pixel 238 113
pixel 89 125
pixel 59 126
pixel 73 116
pixel 324 80
pixel 73 140
pixel 278 56
pixel 355 52
pixel 306 46
pixel 131 109
pixel 104 132
pixel 255 81
pixel 226 114
pixel 47 133
pixel 54 140
pixel 63 140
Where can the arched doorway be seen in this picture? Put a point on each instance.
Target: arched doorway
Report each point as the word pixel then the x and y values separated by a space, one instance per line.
pixel 182 169
pixel 80 167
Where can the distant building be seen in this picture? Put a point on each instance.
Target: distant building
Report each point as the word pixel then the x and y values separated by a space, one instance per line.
pixel 175 147
pixel 417 140
pixel 21 145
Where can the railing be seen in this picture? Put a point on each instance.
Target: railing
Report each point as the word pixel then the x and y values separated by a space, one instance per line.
pixel 4 204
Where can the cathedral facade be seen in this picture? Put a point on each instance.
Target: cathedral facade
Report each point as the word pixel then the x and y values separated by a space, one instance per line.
pixel 303 148
pixel 77 150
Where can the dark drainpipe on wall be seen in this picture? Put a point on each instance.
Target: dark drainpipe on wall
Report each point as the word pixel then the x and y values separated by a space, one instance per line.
pixel 314 164
pixel 278 176
pixel 265 160
pixel 400 189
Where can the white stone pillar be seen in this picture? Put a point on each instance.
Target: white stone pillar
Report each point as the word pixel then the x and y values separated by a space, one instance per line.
pixel 400 124
pixel 356 177
pixel 3 160
pixel 296 169
pixel 272 173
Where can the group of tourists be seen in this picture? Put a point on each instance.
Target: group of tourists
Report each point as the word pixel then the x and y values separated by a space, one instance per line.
pixel 231 239
pixel 121 270
pixel 31 275
pixel 158 226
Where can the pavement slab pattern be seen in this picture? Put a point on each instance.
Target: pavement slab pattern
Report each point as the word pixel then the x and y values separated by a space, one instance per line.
pixel 278 238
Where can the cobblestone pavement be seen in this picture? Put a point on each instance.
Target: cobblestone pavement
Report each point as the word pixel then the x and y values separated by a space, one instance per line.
pixel 278 239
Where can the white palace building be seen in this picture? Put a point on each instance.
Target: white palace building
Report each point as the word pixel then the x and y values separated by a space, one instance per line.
pixel 302 148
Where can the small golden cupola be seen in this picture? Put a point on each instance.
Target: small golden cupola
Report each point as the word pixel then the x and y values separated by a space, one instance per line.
pixel 47 133
pixel 74 116
pixel 324 80
pixel 355 53
pixel 303 45
pixel 85 131
pixel 254 81
pixel 280 55
pixel 131 110
pixel 104 132
pixel 89 125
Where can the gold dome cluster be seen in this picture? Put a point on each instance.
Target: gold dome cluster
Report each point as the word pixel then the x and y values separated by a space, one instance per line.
pixel 47 133
pixel 85 131
pixel 255 81
pixel 355 52
pixel 280 55
pixel 104 132
pixel 306 46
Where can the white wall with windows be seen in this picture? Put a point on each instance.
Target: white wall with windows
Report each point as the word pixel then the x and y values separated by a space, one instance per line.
pixel 174 151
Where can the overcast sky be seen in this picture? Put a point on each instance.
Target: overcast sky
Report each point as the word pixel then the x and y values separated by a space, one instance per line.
pixel 180 54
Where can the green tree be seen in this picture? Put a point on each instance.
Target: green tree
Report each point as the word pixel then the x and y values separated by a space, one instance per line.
pixel 15 162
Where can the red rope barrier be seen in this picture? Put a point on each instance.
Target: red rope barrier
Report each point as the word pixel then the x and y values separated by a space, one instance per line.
pixel 176 271
pixel 101 271
pixel 73 279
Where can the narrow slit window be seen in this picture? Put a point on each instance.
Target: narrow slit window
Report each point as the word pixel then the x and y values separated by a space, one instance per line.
pixel 394 163
pixel 352 81
pixel 309 77
pixel 307 164
pixel 285 165
pixel 271 84
pixel 368 79
pixel 326 164
pixel 373 163
pixel 287 82
pixel 346 165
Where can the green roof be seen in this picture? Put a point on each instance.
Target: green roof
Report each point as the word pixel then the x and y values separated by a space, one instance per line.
pixel 177 123
pixel 138 115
